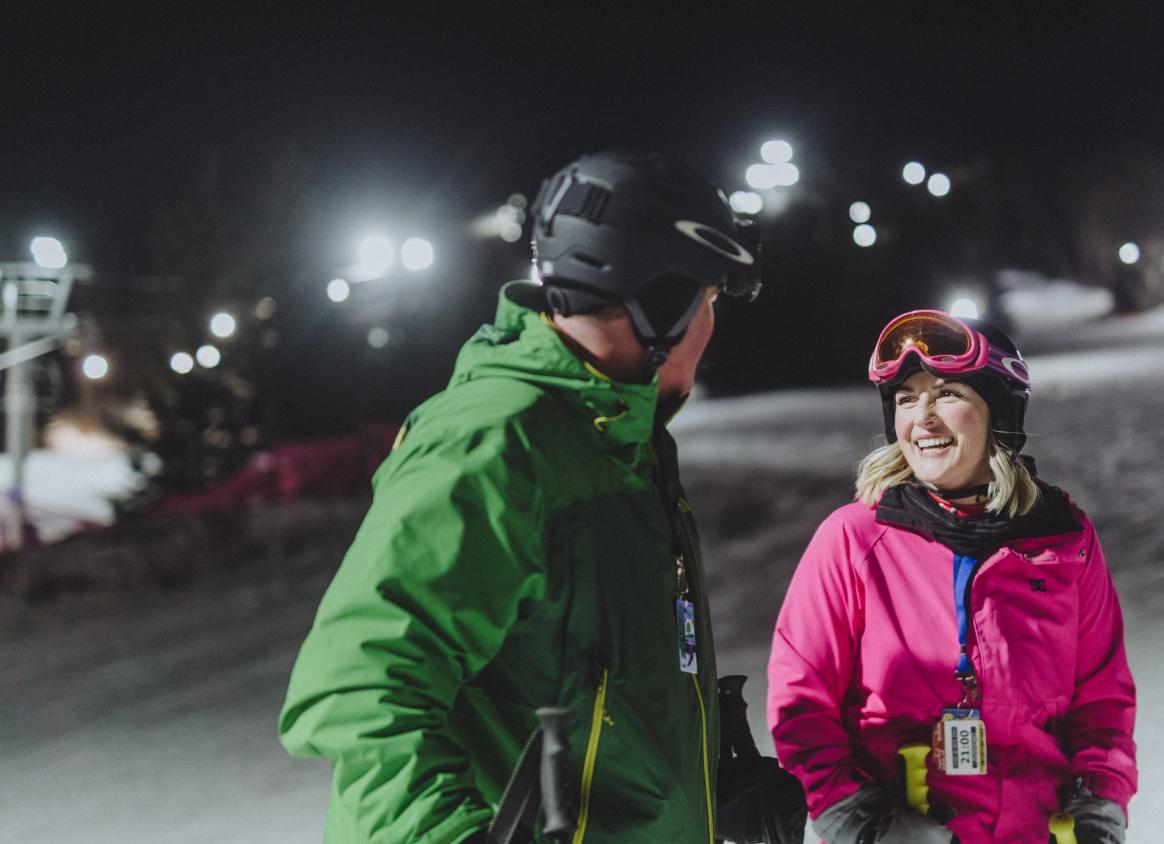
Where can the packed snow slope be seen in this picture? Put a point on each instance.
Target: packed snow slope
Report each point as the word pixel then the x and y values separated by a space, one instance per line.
pixel 139 707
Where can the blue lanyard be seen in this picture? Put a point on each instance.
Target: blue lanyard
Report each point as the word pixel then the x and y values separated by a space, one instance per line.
pixel 963 573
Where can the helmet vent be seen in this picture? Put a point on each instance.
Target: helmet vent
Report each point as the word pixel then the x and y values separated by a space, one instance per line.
pixel 584 199
pixel 588 260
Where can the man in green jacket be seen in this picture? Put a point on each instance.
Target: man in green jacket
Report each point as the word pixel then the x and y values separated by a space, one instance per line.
pixel 529 544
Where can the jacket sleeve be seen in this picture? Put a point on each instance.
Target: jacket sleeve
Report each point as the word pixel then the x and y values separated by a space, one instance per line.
pixel 814 649
pixel 1101 716
pixel 422 601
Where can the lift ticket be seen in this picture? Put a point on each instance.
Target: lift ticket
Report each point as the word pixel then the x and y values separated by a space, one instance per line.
pixel 960 742
pixel 685 620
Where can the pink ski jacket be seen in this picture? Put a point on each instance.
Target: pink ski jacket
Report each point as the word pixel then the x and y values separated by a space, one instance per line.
pixel 863 662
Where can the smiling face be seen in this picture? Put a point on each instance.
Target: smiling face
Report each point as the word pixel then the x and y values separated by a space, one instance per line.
pixel 943 428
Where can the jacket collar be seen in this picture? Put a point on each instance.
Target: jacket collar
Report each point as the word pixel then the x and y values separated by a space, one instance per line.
pixel 521 344
pixel 1052 520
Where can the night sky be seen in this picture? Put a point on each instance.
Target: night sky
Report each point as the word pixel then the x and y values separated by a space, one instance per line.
pixel 109 112
pixel 422 118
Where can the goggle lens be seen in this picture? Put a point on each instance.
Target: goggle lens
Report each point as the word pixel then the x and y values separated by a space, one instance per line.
pixel 930 335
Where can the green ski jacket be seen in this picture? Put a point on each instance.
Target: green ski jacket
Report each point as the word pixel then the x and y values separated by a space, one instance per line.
pixel 526 546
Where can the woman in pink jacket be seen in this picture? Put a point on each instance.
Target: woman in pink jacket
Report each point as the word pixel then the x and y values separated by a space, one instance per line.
pixel 961 604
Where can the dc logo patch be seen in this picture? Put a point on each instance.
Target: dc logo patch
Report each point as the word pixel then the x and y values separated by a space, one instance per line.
pixel 1038 585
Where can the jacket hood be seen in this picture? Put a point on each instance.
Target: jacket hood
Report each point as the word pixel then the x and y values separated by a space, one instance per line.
pixel 521 344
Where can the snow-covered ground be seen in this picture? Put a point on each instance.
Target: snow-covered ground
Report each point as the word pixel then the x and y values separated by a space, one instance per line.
pixel 148 715
pixel 67 492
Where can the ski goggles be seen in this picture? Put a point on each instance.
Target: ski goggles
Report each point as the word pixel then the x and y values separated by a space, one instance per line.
pixel 943 344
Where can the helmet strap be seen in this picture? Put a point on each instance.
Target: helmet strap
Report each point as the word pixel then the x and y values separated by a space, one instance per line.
pixel 558 301
pixel 657 356
pixel 658 343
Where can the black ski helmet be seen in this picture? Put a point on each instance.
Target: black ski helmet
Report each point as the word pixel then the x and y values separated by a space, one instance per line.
pixel 1006 397
pixel 644 231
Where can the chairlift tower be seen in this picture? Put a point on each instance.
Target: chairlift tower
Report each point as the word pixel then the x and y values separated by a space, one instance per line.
pixel 33 320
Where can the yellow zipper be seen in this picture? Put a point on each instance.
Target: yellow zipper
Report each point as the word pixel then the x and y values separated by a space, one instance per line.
pixel 591 757
pixel 706 769
pixel 685 507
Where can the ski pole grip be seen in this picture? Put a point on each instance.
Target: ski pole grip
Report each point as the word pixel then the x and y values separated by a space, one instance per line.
pixel 731 686
pixel 917 792
pixel 1062 826
pixel 559 812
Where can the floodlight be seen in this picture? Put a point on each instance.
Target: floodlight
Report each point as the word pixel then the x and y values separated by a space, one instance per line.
pixel 48 253
pixel 864 235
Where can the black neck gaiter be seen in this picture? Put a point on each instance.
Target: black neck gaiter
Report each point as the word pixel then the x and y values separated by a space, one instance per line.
pixel 910 507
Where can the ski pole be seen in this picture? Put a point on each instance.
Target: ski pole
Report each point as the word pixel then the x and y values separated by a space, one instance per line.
pixel 1062 826
pixel 559 813
pixel 735 735
pixel 916 790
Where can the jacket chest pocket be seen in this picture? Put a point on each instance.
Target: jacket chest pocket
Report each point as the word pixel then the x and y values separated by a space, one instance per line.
pixel 1028 627
pixel 619 577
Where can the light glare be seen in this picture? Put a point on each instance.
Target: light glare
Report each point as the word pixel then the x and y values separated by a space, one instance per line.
pixel 222 324
pixel 914 173
pixel 776 152
pixel 208 356
pixel 378 337
pixel 416 253
pixel 181 363
pixel 510 232
pixel 746 202
pixel 48 253
pixel 787 174
pixel 760 176
pixel 768 176
pixel 864 235
pixel 1129 253
pixel 338 290
pixel 938 184
pixel 95 367
pixel 265 308
pixel 376 255
pixel 860 212
pixel 964 307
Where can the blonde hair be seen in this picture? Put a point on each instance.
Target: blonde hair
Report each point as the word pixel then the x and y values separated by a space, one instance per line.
pixel 1013 491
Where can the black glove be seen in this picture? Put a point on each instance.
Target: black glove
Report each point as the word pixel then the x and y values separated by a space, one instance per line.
pixel 758 801
pixel 867 817
pixel 1097 820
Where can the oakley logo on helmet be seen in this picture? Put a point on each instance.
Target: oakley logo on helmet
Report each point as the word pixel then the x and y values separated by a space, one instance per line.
pixel 716 241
